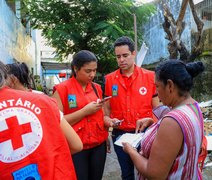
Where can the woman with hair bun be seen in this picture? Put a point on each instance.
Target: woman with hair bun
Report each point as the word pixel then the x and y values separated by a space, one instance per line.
pixel 170 147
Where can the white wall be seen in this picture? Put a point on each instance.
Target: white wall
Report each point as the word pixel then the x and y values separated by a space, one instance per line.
pixel 14 41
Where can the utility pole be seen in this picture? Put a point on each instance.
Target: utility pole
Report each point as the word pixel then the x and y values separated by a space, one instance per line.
pixel 136 39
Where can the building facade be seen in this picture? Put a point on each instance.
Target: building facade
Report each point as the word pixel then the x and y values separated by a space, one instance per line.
pixel 16 41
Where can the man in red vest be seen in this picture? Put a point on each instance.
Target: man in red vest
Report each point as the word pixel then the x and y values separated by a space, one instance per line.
pixel 36 142
pixel 133 97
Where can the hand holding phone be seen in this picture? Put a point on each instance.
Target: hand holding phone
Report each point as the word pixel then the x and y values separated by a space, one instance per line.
pixel 103 100
pixel 106 98
pixel 117 122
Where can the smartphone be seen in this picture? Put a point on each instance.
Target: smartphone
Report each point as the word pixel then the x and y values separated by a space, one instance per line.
pixel 106 98
pixel 118 122
pixel 103 100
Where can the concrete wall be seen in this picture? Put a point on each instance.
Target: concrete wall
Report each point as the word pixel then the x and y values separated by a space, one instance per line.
pixel 14 41
pixel 154 38
pixel 154 35
pixel 202 90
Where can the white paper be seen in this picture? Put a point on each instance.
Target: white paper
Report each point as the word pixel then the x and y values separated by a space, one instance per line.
pixel 133 139
pixel 209 139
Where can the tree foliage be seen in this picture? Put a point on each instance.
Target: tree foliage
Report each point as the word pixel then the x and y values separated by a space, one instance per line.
pixel 73 25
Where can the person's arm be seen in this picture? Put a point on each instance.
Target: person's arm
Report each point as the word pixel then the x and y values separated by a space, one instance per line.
pixel 74 142
pixel 106 110
pixel 158 108
pixel 155 102
pixel 165 148
pixel 59 102
pixel 76 116
pixel 143 123
pixel 109 122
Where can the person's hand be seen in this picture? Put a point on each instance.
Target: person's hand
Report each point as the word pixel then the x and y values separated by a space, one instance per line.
pixel 112 122
pixel 92 107
pixel 108 145
pixel 116 122
pixel 141 153
pixel 142 124
pixel 128 148
pixel 103 100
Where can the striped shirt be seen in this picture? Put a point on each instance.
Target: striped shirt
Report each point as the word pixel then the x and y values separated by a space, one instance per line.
pixel 185 166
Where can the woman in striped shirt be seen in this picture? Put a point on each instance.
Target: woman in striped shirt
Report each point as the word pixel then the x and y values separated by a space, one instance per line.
pixel 170 147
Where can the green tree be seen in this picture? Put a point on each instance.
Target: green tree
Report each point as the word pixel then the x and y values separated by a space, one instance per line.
pixel 73 25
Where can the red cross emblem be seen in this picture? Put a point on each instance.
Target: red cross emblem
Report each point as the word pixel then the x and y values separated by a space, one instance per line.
pixel 20 134
pixel 14 132
pixel 143 90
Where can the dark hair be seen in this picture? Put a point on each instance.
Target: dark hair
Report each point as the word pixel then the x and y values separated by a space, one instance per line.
pixel 3 74
pixel 21 72
pixel 81 58
pixel 124 40
pixel 180 73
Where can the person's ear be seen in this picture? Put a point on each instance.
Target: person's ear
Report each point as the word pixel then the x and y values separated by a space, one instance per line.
pixel 170 85
pixel 14 79
pixel 134 53
pixel 75 69
pixel 10 81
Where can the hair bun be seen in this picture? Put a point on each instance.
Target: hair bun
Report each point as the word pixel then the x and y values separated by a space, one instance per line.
pixel 195 68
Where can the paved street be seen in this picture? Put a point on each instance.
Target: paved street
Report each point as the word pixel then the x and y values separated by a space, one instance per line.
pixel 112 169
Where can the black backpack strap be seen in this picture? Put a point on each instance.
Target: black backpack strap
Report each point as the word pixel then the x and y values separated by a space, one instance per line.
pixel 95 90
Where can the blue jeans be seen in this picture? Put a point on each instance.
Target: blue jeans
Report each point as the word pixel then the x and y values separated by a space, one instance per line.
pixel 127 166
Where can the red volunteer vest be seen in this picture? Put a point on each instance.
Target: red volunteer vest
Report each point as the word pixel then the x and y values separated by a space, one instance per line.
pixel 32 144
pixel 132 103
pixel 91 128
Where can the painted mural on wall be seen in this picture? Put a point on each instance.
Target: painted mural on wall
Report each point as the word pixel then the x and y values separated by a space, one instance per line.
pixel 15 43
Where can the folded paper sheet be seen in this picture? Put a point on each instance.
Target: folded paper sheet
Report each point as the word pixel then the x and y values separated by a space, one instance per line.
pixel 133 139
